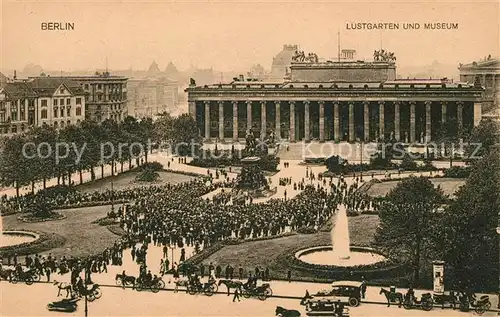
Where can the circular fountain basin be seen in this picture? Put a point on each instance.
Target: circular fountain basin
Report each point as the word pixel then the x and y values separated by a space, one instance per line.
pixel 324 255
pixel 12 238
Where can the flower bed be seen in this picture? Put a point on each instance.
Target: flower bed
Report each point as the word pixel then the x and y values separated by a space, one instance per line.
pixel 29 218
pixel 44 242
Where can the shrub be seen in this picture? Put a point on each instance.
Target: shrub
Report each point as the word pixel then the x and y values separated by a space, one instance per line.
pixel 457 172
pixel 153 166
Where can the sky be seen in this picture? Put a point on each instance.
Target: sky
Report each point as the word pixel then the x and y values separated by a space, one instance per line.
pixel 233 35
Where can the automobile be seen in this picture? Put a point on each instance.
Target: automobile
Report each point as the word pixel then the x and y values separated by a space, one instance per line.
pixel 348 292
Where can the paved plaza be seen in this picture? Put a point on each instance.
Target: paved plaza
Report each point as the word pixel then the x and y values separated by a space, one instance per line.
pixel 23 300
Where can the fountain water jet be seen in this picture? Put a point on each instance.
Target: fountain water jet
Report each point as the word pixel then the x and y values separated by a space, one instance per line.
pixel 340 235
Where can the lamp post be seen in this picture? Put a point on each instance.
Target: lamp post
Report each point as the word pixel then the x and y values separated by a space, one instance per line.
pixel 172 247
pixel 361 161
pixel 112 199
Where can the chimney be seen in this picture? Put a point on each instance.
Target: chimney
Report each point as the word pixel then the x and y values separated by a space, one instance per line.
pixel 15 74
pixel 241 77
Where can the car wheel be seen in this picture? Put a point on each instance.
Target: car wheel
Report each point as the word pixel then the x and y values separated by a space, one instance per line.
pixel 353 302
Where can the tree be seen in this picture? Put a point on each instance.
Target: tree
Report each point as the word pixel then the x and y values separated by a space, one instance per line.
pixel 15 165
pixel 335 164
pixel 483 138
pixel 44 138
pixel 146 135
pixel 162 130
pixel 448 137
pixel 406 218
pixel 470 239
pixel 186 138
pixel 91 156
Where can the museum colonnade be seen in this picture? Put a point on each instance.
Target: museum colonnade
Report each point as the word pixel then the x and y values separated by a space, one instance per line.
pixel 406 121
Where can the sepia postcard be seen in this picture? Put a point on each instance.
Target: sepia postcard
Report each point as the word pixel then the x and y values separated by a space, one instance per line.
pixel 249 158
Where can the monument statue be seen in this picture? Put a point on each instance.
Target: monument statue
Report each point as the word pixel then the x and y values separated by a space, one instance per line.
pixel 250 142
pixel 383 56
pixel 192 82
pixel 299 56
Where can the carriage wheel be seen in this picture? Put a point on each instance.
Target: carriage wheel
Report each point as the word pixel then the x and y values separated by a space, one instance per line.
pixel 138 287
pixel 14 279
pixel 269 292
pixel 91 297
pixel 74 294
pixel 28 280
pixel 208 291
pixel 488 305
pixel 480 309
pixel 353 302
pixel 262 295
pixel 427 305
pixel 154 288
pixel 161 284
pixel 119 282
pixel 191 290
pixel 246 293
pixel 97 293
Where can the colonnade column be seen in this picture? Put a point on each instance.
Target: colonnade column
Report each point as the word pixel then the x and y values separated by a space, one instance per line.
pixel 306 121
pixel 336 121
pixel 292 121
pixel 366 120
pixel 381 120
pixel 192 109
pixel 443 112
pixel 412 121
pixel 321 121
pixel 263 124
pixel 428 123
pixel 278 120
pixel 351 122
pixel 397 121
pixel 207 120
pixel 460 111
pixel 235 121
pixel 221 120
pixel 249 114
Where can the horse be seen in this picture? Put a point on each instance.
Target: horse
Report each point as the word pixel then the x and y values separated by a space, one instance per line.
pixel 6 274
pixel 63 286
pixel 392 297
pixel 231 284
pixel 283 312
pixel 184 282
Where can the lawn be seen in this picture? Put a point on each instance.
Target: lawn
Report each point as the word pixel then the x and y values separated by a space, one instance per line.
pixel 448 185
pixel 127 180
pixel 265 253
pixel 82 236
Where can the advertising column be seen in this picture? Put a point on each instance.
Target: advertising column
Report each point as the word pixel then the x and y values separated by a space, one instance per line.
pixel 438 274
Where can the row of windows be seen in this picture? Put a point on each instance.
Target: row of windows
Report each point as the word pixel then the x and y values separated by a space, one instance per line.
pixel 60 102
pixel 44 112
pixel 100 86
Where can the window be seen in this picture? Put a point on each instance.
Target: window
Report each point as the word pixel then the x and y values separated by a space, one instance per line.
pixel 44 102
pixel 44 114
pixel 14 129
pixel 55 124
pixel 99 98
pixel 2 117
pixel 86 86
pixel 61 102
pixel 68 101
pixel 62 124
pixel 61 90
pixel 68 122
pixel 99 86
pixel 55 112
pixel 78 111
pixel 78 101
pixel 13 116
pixel 55 102
pixel 62 112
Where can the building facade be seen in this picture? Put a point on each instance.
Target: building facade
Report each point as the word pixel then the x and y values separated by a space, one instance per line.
pixel 341 101
pixel 41 101
pixel 106 96
pixel 149 97
pixel 486 72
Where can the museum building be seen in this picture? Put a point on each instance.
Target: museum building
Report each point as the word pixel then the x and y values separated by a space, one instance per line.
pixel 344 100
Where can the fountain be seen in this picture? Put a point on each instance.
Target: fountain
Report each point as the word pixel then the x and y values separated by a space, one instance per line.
pixel 340 235
pixel 340 252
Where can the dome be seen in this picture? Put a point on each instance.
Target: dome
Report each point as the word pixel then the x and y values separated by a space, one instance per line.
pixel 283 60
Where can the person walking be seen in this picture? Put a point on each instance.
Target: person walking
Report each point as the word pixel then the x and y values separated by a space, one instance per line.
pixel 363 287
pixel 236 294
